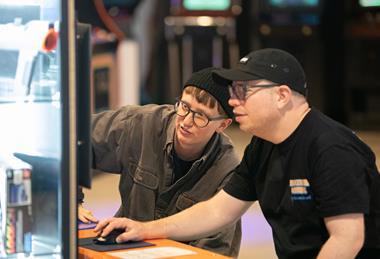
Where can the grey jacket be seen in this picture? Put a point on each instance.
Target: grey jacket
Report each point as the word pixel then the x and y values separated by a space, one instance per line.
pixel 137 142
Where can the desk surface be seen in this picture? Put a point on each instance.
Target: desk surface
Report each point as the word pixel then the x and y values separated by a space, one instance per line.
pixel 200 253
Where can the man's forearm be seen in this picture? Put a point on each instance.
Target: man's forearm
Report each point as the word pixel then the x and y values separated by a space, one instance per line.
pixel 193 223
pixel 201 220
pixel 340 248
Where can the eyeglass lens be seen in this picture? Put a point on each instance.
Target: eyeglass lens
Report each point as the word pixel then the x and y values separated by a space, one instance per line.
pixel 238 90
pixel 199 119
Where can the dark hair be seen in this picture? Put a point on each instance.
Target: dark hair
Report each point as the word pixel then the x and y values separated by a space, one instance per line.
pixel 204 97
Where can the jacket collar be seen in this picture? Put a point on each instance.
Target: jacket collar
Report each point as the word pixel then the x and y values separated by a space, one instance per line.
pixel 209 152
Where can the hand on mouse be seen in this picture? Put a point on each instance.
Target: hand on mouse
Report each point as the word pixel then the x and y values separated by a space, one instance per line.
pixel 110 239
pixel 85 215
pixel 133 230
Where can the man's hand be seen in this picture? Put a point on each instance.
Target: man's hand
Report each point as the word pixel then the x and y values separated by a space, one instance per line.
pixel 134 230
pixel 85 215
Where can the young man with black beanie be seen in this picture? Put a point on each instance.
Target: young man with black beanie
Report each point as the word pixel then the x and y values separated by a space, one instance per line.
pixel 316 181
pixel 170 157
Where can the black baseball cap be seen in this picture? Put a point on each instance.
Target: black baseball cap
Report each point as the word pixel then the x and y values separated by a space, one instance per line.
pixel 271 64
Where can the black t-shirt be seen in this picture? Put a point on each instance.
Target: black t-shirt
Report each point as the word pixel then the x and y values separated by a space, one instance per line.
pixel 181 167
pixel 322 169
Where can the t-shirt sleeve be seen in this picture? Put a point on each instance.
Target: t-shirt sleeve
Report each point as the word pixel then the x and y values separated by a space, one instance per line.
pixel 241 184
pixel 339 182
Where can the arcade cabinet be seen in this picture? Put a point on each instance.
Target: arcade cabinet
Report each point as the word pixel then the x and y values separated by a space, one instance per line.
pixel 293 25
pixel 200 34
pixel 362 55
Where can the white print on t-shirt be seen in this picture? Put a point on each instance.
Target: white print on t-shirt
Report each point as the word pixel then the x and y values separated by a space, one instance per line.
pixel 299 189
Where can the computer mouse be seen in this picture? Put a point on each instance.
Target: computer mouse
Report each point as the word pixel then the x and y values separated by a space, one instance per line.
pixel 110 239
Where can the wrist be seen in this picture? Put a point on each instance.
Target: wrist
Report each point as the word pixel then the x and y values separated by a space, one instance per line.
pixel 155 229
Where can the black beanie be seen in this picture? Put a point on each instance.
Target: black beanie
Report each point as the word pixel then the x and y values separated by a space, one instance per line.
pixel 203 79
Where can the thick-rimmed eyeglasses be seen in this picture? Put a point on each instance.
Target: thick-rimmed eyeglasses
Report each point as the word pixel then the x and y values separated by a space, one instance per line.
pixel 239 90
pixel 200 119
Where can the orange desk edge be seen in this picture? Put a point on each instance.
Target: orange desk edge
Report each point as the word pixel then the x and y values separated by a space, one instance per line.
pixel 84 253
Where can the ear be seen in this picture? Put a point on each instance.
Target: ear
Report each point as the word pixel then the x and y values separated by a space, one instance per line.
pixel 284 95
pixel 224 125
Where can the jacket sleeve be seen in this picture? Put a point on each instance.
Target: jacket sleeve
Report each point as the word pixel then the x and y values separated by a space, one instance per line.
pixel 107 133
pixel 225 242
pixel 114 133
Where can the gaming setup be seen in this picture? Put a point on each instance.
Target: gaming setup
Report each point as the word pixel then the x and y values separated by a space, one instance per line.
pixel 29 74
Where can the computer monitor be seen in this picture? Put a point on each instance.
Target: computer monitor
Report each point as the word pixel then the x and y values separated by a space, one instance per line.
pixel 210 5
pixel 369 3
pixel 293 3
pixel 291 12
pixel 207 8
pixel 83 86
pixel 306 6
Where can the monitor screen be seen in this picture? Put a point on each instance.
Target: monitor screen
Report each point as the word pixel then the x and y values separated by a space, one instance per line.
pixel 293 3
pixel 369 3
pixel 209 5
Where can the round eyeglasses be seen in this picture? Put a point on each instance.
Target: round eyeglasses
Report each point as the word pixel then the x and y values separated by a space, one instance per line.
pixel 200 119
pixel 239 90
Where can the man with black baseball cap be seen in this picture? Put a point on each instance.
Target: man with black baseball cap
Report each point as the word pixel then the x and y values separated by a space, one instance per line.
pixel 316 181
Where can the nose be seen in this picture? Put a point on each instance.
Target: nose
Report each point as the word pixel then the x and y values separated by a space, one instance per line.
pixel 188 119
pixel 234 102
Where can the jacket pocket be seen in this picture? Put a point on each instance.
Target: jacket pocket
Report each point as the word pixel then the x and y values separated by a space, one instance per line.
pixel 184 202
pixel 145 179
pixel 138 189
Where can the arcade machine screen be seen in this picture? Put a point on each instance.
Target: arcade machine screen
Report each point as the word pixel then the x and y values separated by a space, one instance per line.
pixel 369 3
pixel 293 3
pixel 210 5
pixel 224 8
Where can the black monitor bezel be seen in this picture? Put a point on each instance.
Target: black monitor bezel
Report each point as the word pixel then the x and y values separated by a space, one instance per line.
pixel 83 104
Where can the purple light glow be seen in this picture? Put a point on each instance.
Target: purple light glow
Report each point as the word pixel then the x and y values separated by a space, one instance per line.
pixel 256 230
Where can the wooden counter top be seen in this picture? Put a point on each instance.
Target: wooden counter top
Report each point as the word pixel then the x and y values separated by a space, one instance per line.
pixel 84 253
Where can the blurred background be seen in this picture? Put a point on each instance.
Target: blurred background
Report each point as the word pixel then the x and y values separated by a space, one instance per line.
pixel 143 51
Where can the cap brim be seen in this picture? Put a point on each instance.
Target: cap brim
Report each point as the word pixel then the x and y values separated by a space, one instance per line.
pixel 228 75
